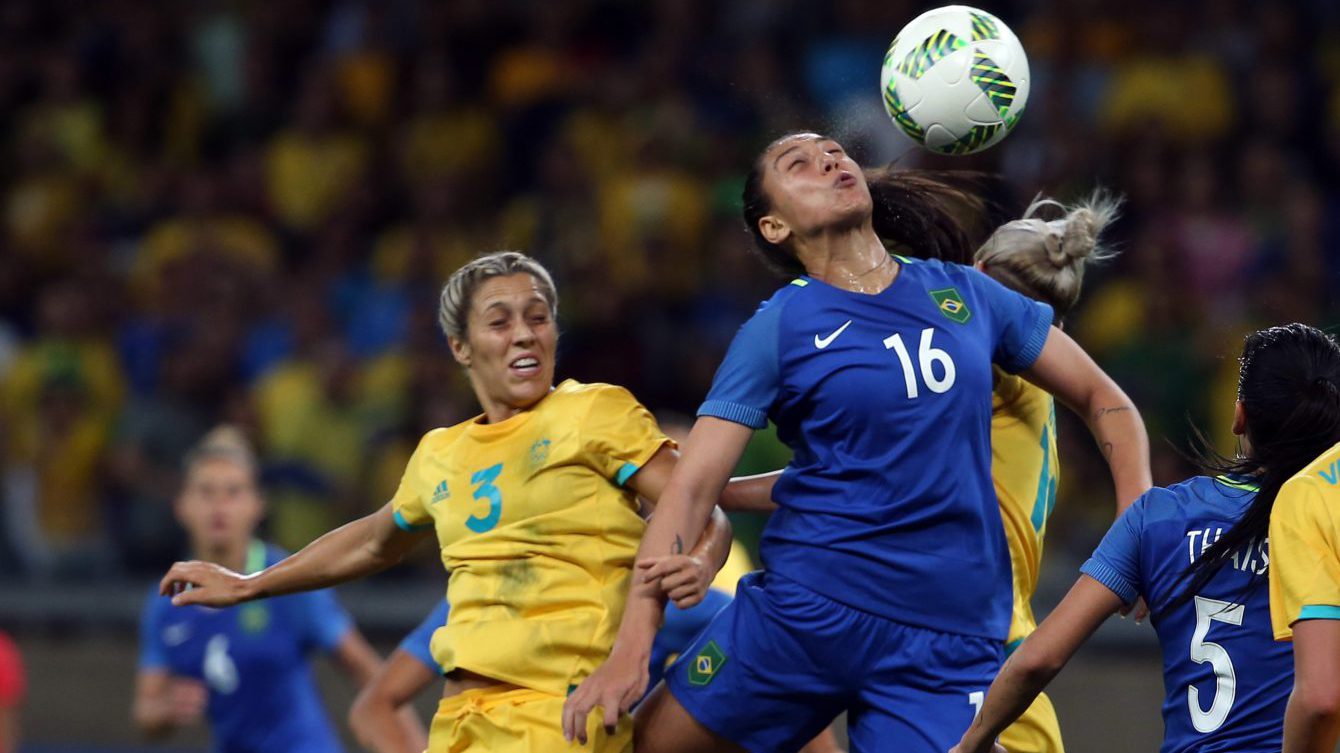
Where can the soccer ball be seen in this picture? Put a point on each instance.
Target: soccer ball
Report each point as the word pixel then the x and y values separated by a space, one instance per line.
pixel 955 79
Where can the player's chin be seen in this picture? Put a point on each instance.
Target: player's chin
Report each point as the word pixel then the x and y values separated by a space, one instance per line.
pixel 527 392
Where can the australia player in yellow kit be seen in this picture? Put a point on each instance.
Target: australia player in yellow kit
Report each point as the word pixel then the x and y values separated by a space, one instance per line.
pixel 1045 261
pixel 1305 579
pixel 535 506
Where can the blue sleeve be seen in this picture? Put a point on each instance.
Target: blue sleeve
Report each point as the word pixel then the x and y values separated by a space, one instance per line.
pixel 1116 561
pixel 153 652
pixel 1019 324
pixel 417 643
pixel 324 621
pixel 747 381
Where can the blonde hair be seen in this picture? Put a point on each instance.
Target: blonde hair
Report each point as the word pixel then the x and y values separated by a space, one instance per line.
pixel 454 306
pixel 224 442
pixel 1045 260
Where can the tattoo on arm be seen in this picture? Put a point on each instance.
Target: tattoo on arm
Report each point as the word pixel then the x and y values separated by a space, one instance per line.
pixel 678 547
pixel 1104 411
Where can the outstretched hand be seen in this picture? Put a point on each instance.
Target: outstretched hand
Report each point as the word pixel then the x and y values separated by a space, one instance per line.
pixel 614 687
pixel 204 583
pixel 681 577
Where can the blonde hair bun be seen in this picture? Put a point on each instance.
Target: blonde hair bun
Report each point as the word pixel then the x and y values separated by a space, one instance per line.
pixel 1045 259
pixel 1081 228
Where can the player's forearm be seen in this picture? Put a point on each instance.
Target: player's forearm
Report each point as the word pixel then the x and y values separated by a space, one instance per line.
pixel 1311 723
pixel 381 728
pixel 354 550
pixel 750 493
pixel 1010 695
pixel 714 545
pixel 1120 433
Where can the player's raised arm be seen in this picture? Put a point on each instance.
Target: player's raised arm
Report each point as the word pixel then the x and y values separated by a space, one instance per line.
pixel 365 546
pixel 1066 371
pixel 1037 661
pixel 683 577
pixel 713 448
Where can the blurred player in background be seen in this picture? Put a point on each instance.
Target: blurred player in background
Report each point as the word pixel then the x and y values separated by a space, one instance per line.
pixel 535 507
pixel 12 686
pixel 888 578
pixel 1227 681
pixel 246 668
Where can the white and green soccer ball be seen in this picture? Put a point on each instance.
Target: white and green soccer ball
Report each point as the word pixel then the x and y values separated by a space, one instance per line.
pixel 955 80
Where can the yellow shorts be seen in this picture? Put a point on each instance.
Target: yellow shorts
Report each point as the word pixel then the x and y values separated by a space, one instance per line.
pixel 516 721
pixel 1037 731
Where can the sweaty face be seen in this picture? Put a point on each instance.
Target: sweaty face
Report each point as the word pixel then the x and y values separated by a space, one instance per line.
pixel 220 505
pixel 510 342
pixel 812 184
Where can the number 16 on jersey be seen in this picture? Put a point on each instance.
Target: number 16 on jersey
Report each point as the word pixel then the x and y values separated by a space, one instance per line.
pixel 927 357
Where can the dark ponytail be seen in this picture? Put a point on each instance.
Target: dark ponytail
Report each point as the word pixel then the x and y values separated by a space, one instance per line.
pixel 928 214
pixel 1289 387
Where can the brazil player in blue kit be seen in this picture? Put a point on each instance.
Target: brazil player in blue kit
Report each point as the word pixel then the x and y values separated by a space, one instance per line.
pixel 246 668
pixel 887 592
pixel 1227 680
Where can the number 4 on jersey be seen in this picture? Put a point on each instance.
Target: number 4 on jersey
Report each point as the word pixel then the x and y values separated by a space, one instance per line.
pixel 927 357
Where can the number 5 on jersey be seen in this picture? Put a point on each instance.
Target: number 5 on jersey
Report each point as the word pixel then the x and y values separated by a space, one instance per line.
pixel 927 357
pixel 487 491
pixel 1225 680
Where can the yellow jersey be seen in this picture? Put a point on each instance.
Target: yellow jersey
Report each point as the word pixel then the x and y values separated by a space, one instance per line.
pixel 1025 470
pixel 1305 546
pixel 537 531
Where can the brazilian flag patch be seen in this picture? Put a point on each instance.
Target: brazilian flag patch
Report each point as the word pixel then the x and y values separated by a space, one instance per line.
pixel 706 664
pixel 951 305
pixel 255 617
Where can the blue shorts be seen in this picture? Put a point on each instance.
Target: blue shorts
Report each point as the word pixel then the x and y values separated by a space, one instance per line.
pixel 681 626
pixel 781 662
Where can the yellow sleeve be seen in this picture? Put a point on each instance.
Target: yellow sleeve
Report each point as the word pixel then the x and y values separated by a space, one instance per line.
pixel 411 514
pixel 1304 559
pixel 619 435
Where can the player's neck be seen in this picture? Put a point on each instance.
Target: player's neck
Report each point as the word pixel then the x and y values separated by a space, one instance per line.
pixel 231 556
pixel 850 258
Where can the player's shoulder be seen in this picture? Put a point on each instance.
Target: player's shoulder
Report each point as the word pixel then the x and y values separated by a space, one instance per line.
pixel 800 289
pixel 1312 487
pixel 1198 496
pixel 570 393
pixel 938 269
pixel 439 439
pixel 155 603
pixel 1323 472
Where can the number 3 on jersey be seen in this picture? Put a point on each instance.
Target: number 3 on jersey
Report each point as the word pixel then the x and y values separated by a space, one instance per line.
pixel 927 357
pixel 486 490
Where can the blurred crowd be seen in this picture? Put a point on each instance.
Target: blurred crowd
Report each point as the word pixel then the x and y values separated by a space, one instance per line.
pixel 242 211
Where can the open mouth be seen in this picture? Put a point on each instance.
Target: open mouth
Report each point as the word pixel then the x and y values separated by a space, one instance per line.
pixel 845 180
pixel 525 366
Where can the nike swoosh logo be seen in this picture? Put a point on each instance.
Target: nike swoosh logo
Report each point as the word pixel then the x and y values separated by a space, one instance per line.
pixel 824 342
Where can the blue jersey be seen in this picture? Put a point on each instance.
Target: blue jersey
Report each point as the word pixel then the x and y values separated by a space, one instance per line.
pixel 885 399
pixel 253 658
pixel 1226 678
pixel 680 627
